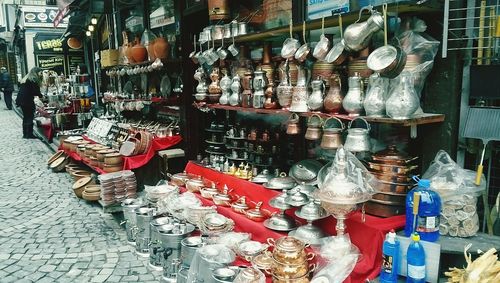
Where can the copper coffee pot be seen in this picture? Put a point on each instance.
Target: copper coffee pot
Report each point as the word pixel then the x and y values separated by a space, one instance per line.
pixel 313 131
pixel 332 137
pixel 293 127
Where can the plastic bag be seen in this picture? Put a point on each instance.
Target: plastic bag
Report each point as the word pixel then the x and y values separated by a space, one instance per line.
pixel 207 259
pixel 339 256
pixel 458 193
pixel 420 50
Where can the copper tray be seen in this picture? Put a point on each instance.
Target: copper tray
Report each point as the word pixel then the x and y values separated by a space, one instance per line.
pixel 380 208
pixel 387 168
pixel 392 178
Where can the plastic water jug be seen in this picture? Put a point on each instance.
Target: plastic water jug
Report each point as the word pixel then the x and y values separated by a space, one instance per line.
pixel 415 258
pixel 390 260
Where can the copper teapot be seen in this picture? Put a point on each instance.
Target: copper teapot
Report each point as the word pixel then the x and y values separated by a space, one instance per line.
pixel 313 131
pixel 293 127
pixel 332 137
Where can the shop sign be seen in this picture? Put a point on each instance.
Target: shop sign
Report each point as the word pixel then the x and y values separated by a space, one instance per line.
pixel 317 9
pixel 41 17
pixel 51 62
pixel 134 22
pixel 48 44
pixel 161 17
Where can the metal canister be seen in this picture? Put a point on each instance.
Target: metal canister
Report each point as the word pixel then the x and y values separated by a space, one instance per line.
pixel 155 243
pixel 129 205
pixel 189 247
pixel 182 275
pixel 143 217
pixel 171 236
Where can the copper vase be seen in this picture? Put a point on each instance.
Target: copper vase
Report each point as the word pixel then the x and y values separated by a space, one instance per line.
pixel 333 99
pixel 266 62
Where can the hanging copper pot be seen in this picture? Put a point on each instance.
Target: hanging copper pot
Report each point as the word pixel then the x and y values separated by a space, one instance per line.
pixel 218 9
pixel 161 48
pixel 332 137
pixel 293 127
pixel 313 131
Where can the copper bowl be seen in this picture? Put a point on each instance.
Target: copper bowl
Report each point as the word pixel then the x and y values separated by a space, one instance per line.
pixel 288 271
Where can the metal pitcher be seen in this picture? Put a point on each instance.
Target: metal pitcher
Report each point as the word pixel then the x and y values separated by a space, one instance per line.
pixel 374 103
pixel 357 36
pixel 313 131
pixel 234 98
pixel 259 83
pixel 293 127
pixel 225 85
pixel 171 237
pixel 315 100
pixel 353 100
pixel 285 88
pixel 155 261
pixel 300 93
pixel 334 97
pixel 332 136
pixel 358 139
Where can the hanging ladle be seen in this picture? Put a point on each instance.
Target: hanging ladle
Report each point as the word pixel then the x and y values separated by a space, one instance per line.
pixel 323 45
pixel 304 50
pixel 221 51
pixel 338 53
pixel 290 45
pixel 388 60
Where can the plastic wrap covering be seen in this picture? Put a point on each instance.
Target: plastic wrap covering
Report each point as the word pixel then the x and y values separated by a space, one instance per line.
pixel 175 204
pixel 458 193
pixel 207 259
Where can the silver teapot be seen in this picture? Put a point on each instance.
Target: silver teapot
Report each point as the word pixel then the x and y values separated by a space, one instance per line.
pixel 284 89
pixel 259 83
pixel 300 92
pixel 374 103
pixel 235 97
pixel 353 100
pixel 225 85
pixel 315 100
pixel 357 36
pixel 358 139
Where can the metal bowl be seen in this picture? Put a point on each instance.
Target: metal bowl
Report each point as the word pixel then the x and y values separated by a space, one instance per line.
pixel 305 171
pixel 280 222
pixel 224 274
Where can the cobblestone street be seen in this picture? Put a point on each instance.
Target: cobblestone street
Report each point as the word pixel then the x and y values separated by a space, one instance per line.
pixel 46 233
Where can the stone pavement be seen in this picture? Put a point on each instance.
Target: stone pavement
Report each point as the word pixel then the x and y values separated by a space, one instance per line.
pixel 46 233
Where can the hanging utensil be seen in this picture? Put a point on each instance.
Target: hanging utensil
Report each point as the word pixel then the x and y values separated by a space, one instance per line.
pixel 304 50
pixel 221 51
pixel 416 204
pixel 192 54
pixel 338 53
pixel 290 45
pixel 323 45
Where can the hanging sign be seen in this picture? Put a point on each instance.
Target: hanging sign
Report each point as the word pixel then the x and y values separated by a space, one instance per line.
pixel 48 43
pixel 162 16
pixel 42 17
pixel 51 62
pixel 317 9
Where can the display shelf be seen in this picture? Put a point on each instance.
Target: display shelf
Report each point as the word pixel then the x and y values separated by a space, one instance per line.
pixel 425 118
pixel 145 63
pixel 348 18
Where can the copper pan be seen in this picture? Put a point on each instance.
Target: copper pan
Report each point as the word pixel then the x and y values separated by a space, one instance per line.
pixel 389 168
pixel 393 188
pixel 392 178
pixel 391 197
pixel 383 209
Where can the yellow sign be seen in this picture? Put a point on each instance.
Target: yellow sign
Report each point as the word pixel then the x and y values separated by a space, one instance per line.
pixel 55 44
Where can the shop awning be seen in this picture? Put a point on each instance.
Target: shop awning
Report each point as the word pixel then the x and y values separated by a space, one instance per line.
pixel 65 7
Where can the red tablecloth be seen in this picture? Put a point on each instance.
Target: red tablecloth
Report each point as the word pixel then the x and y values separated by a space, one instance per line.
pixel 368 236
pixel 133 162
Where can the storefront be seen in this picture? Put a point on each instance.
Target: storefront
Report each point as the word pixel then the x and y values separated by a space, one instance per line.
pixel 302 118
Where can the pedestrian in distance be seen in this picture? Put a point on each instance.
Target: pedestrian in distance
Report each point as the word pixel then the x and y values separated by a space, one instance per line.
pixel 6 87
pixel 29 88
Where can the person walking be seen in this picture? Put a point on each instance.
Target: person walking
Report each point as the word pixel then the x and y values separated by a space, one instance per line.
pixel 29 88
pixel 6 87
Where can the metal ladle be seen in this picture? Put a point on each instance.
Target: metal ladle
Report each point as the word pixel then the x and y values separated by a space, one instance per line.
pixel 304 50
pixel 221 51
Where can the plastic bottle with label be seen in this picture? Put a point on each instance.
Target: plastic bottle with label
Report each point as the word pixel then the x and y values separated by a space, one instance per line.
pixel 390 260
pixel 415 259
pixel 429 210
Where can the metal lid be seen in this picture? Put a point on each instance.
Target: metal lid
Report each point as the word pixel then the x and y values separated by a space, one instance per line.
pixel 289 243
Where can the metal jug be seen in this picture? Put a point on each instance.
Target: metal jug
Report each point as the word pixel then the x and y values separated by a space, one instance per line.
pixel 246 95
pixel 313 131
pixel 300 93
pixel 129 205
pixel 332 137
pixel 259 83
pixel 285 89
pixel 171 237
pixel 353 100
pixel 403 102
pixel 333 99
pixel 357 36
pixel 358 139
pixel 374 103
pixel 293 127
pixel 225 85
pixel 315 100
pixel 234 98
pixel 155 261
pixel 200 76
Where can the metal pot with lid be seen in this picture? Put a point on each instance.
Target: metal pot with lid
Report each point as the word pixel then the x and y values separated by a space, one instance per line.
pixel 305 171
pixel 155 260
pixel 262 177
pixel 257 214
pixel 171 236
pixel 392 156
pixel 143 217
pixel 223 198
pixel 282 182
pixel 240 205
pixel 250 274
pixel 296 198
pixel 189 247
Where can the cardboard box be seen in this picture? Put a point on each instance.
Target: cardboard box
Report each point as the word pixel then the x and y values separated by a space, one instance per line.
pixel 109 57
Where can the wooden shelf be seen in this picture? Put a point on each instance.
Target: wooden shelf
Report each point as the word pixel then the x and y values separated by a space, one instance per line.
pixel 348 18
pixel 425 118
pixel 145 63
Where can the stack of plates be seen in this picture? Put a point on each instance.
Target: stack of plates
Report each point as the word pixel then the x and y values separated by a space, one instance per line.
pixel 108 187
pixel 120 190
pixel 130 183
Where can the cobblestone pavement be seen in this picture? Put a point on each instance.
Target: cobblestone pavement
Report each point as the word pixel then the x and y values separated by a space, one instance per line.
pixel 46 233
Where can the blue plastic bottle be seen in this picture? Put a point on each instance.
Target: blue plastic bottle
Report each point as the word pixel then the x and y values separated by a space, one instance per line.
pixel 429 209
pixel 390 261
pixel 415 259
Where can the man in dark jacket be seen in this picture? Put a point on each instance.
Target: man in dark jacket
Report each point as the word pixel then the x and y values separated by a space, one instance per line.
pixel 6 87
pixel 29 88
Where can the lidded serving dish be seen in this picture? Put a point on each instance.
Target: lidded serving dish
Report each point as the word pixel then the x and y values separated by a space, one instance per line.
pixel 282 182
pixel 257 213
pixel 305 171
